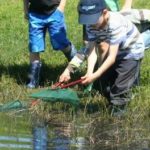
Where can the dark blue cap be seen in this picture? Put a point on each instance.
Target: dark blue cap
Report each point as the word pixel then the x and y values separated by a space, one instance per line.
pixel 90 10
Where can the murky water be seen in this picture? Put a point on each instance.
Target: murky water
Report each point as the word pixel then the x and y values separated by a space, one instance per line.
pixel 23 131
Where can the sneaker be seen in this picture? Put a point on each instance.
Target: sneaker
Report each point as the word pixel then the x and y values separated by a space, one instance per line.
pixel 34 75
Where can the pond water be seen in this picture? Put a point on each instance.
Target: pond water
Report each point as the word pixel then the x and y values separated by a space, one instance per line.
pixel 63 131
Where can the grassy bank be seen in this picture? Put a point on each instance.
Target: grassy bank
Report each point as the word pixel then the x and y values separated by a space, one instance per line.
pixel 14 59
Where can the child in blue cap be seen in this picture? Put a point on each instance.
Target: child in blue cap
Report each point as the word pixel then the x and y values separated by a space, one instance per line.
pixel 120 47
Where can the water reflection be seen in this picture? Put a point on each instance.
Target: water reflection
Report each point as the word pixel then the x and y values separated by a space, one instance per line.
pixel 64 138
pixel 14 133
pixel 16 146
pixel 25 143
pixel 114 134
pixel 40 138
pixel 79 133
pixel 57 137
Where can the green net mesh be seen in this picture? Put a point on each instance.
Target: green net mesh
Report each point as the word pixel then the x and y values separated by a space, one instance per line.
pixel 57 95
pixel 16 104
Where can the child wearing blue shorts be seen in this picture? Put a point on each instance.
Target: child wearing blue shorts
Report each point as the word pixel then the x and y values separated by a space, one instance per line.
pixel 45 15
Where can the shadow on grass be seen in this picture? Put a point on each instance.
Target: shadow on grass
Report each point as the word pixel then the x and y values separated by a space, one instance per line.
pixel 20 73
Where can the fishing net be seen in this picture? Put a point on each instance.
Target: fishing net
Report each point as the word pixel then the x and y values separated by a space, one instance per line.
pixel 13 105
pixel 57 95
pixel 61 94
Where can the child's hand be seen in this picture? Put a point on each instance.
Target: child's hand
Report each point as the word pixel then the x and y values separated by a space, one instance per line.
pixel 65 76
pixel 88 78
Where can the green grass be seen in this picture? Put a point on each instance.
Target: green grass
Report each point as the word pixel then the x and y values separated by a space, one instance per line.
pixel 14 59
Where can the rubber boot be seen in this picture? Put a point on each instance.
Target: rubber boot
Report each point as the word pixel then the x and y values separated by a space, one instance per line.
pixel 69 54
pixel 34 75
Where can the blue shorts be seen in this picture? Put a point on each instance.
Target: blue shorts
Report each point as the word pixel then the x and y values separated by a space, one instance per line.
pixel 54 24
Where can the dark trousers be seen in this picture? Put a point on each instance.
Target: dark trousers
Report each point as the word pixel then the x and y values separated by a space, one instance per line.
pixel 115 84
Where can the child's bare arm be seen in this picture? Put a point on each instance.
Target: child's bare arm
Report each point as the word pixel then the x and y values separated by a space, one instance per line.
pixel 108 62
pixel 62 5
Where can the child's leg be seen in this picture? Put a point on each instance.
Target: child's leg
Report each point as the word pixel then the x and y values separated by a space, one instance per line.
pixel 127 72
pixel 34 57
pixel 115 84
pixel 34 72
pixel 37 32
pixel 69 51
pixel 58 35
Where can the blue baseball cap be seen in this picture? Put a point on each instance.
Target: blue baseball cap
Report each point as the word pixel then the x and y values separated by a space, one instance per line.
pixel 90 11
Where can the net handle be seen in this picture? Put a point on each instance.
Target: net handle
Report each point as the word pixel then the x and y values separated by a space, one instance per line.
pixel 71 84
